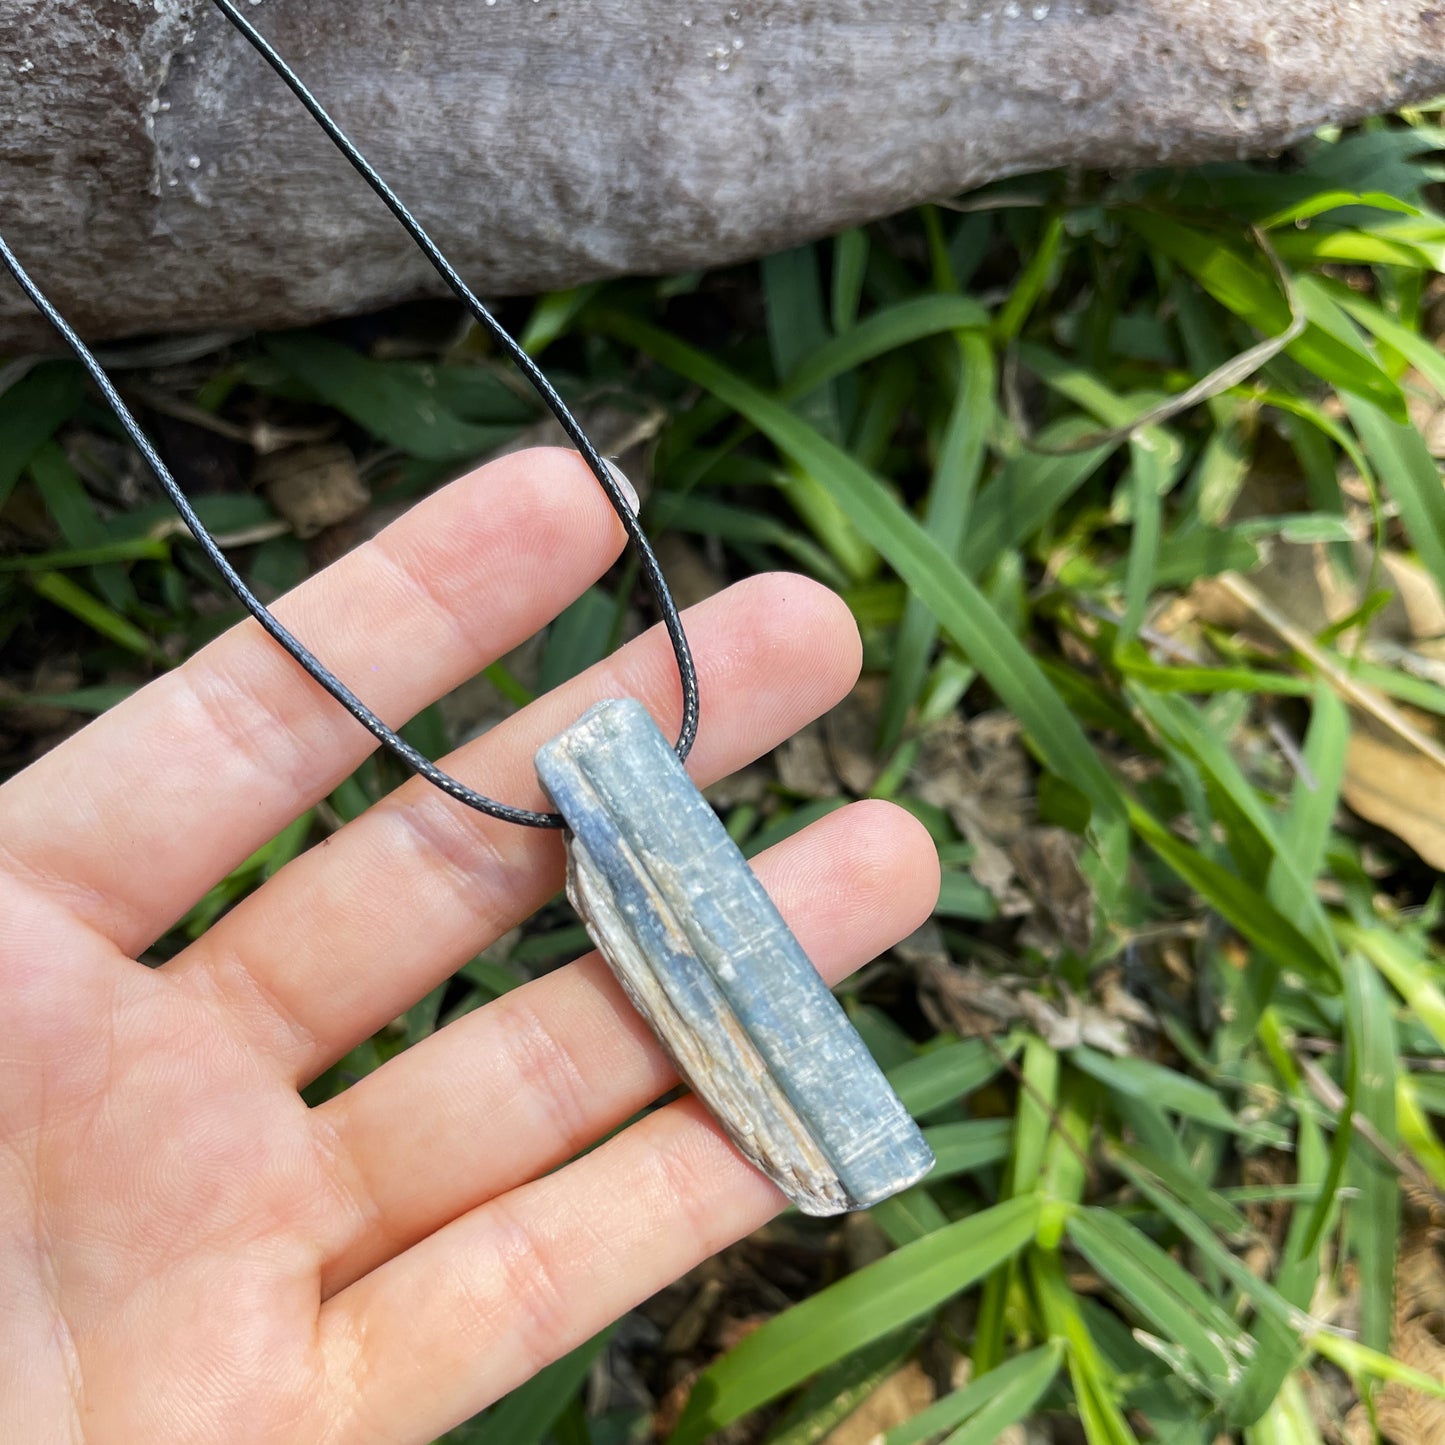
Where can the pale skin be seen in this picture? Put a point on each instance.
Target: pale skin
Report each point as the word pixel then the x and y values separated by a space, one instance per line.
pixel 188 1253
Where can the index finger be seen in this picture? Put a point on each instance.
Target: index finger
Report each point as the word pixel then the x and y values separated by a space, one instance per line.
pixel 130 821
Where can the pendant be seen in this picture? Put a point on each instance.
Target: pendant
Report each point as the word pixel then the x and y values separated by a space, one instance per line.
pixel 707 960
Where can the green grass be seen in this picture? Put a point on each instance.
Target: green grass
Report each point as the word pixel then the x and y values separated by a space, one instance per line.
pixel 966 423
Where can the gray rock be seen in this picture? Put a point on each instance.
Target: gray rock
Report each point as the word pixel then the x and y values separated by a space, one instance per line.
pixel 709 963
pixel 157 178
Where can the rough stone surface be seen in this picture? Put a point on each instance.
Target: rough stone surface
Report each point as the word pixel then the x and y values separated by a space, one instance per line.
pixel 710 964
pixel 157 178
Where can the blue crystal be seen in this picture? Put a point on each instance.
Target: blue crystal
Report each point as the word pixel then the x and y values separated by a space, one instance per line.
pixel 705 955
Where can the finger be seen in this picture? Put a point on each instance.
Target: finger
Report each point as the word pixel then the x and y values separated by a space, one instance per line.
pixel 354 932
pixel 131 820
pixel 437 1333
pixel 446 1125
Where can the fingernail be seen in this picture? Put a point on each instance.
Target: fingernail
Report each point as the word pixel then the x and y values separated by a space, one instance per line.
pixel 625 487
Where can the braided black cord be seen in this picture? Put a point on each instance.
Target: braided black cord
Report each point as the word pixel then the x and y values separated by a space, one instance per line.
pixel 389 739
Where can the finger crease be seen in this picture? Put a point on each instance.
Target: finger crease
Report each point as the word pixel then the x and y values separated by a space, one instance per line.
pixel 542 1061
pixel 234 708
pixel 227 976
pixel 529 1289
pixel 682 1184
pixel 343 1168
pixel 440 834
pixel 425 586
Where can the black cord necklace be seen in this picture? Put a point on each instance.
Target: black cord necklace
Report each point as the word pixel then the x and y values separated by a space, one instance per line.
pixel 389 739
pixel 669 900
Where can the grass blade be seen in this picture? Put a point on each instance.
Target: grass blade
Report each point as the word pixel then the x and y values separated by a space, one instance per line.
pixel 1162 1292
pixel 1253 830
pixel 31 412
pixel 65 497
pixel 1162 1087
pixel 1242 906
pixel 962 1148
pixel 388 400
pixel 1149 478
pixel 1192 1190
pixel 1028 490
pixel 105 621
pixel 1361 1362
pixel 857 1310
pixel 91 700
pixel 842 1389
pixel 526 1415
pixel 1265 1299
pixel 914 1214
pixel 950 500
pixel 1408 972
pixel 1412 476
pixel 885 330
pixel 1034 1114
pixel 1095 1385
pixel 1416 349
pixel 961 609
pixel 1026 1375
pixel 1009 1404
pixel 580 635
pixel 1242 283
pixel 1033 280
pixel 797 327
pixel 1305 833
pixel 553 316
pixel 1373 1227
pixel 944 1075
pixel 850 266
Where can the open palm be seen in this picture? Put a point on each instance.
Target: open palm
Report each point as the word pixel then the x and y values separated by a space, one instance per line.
pixel 190 1253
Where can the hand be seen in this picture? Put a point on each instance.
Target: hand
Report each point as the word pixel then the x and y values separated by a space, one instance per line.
pixel 188 1253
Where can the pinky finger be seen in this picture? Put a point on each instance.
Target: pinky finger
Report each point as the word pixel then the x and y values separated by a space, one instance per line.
pixel 442 1330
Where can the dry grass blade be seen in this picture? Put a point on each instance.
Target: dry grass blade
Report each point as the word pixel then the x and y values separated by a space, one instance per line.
pixel 1376 704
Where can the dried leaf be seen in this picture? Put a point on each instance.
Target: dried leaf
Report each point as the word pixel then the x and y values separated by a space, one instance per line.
pixel 617 431
pixel 977 770
pixel 804 767
pixel 747 785
pixel 965 1000
pixel 1047 862
pixel 1426 411
pixel 688 572
pixel 1420 1276
pixel 313 487
pixel 1079 1023
pixel 1397 788
pixel 1405 1416
pixel 850 730
pixel 899 1398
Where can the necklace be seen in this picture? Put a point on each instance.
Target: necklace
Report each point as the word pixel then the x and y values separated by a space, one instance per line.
pixel 664 892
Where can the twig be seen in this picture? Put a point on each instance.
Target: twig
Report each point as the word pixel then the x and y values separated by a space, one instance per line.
pixel 1290 750
pixel 241 537
pixel 1332 1097
pixel 1365 698
pixel 260 436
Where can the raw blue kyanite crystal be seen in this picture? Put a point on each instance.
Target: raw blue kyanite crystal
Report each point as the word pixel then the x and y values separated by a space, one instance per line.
pixel 710 964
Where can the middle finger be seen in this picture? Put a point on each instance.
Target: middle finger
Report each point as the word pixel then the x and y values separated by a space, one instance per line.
pixel 354 931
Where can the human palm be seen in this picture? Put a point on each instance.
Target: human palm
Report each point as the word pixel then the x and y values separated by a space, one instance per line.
pixel 190 1253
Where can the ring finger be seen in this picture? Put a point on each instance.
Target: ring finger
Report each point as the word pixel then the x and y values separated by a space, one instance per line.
pixel 516 1088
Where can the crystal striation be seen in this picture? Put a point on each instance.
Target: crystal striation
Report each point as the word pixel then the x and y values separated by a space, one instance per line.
pixel 705 956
